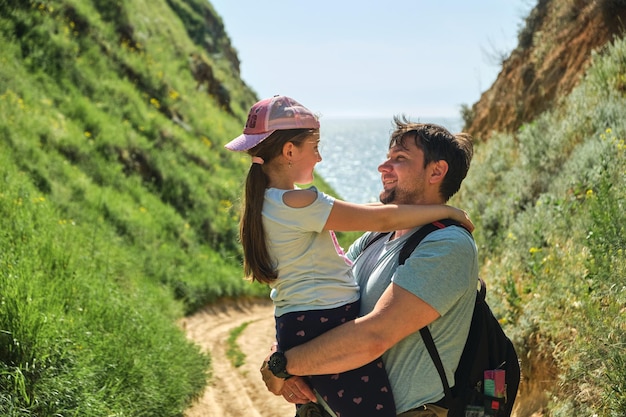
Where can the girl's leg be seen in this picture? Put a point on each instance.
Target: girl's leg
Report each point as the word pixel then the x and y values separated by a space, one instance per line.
pixel 361 392
pixel 364 391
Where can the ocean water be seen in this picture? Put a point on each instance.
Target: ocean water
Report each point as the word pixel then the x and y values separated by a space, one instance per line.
pixel 351 151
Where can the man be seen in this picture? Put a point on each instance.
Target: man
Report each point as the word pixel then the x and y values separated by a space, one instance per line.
pixel 436 286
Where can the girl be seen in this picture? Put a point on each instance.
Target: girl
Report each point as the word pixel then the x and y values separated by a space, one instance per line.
pixel 288 242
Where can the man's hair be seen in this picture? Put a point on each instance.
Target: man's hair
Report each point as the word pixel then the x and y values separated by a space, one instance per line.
pixel 438 144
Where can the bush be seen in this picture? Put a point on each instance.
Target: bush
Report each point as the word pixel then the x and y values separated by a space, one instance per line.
pixel 550 208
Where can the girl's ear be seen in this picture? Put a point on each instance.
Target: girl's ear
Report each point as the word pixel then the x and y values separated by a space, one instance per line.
pixel 288 150
pixel 438 171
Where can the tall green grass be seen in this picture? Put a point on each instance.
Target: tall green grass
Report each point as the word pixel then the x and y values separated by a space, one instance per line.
pixel 549 204
pixel 75 339
pixel 115 220
pixel 89 111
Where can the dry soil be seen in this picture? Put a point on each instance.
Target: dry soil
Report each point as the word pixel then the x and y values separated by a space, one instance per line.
pixel 236 392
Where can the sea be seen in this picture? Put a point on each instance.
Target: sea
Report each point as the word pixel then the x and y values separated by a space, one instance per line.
pixel 352 149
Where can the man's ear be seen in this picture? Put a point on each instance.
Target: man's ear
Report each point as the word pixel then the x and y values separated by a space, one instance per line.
pixel 438 171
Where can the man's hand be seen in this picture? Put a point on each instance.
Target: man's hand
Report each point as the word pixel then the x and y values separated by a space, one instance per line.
pixel 294 390
pixel 273 383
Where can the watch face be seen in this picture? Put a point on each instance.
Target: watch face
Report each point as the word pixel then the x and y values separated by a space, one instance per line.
pixel 278 364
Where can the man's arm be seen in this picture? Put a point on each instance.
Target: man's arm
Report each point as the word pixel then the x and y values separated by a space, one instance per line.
pixel 359 342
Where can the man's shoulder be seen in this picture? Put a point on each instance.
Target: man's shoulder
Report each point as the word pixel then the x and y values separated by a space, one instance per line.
pixel 441 269
pixel 452 240
pixel 452 233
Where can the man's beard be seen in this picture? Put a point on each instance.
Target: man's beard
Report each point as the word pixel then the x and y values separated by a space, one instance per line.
pixel 387 197
pixel 400 196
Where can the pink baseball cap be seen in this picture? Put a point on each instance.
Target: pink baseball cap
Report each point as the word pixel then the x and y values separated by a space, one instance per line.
pixel 269 115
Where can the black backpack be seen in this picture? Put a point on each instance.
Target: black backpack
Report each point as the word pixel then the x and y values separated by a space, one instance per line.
pixel 487 348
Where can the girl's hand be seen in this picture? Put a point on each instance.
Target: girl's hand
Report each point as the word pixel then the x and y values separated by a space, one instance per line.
pixel 462 217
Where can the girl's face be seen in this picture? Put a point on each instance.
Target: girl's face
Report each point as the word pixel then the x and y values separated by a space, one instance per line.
pixel 308 156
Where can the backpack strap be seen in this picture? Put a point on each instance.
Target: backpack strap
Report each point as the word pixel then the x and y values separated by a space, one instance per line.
pixel 434 355
pixel 415 239
pixel 405 252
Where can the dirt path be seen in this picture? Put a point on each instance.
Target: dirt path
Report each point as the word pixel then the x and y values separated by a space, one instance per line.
pixel 236 392
pixel 239 392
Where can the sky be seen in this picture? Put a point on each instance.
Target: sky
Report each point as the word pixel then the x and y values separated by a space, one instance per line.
pixel 368 58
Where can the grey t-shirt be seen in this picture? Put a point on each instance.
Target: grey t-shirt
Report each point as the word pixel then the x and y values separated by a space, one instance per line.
pixel 443 272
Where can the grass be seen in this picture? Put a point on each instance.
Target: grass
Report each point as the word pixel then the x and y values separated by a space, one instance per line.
pixel 233 352
pixel 75 339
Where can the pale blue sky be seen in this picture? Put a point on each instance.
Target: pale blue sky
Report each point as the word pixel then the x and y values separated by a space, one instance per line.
pixel 344 58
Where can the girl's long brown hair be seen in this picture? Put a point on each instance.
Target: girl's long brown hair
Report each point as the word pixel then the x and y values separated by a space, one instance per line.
pixel 257 262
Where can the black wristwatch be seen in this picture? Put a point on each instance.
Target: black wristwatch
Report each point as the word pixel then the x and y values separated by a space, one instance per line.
pixel 278 365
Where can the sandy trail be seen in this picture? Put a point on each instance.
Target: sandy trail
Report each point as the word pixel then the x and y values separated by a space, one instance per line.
pixel 236 392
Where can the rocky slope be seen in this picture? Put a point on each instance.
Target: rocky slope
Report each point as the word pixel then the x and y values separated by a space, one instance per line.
pixel 554 49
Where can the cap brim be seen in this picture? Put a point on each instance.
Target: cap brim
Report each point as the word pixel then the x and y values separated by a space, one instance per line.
pixel 244 142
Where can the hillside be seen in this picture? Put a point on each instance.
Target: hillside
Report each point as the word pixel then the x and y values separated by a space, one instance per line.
pixel 118 202
pixel 119 205
pixel 554 50
pixel 136 103
pixel 548 190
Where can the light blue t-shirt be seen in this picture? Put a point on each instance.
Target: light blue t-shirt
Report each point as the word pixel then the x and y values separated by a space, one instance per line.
pixel 442 271
pixel 312 275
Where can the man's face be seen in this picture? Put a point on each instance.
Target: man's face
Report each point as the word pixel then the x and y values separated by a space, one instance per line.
pixel 403 174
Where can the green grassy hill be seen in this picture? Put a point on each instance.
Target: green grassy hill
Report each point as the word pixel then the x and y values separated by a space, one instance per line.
pixel 119 212
pixel 118 204
pixel 100 109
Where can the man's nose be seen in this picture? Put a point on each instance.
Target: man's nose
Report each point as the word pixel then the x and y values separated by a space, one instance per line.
pixel 384 167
